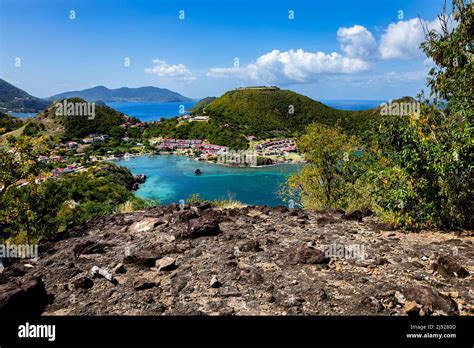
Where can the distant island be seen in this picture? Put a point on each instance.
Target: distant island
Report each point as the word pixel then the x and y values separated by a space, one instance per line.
pixel 15 99
pixel 124 94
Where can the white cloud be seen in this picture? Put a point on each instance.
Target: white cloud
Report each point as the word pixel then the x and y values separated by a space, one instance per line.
pixel 402 40
pixel 177 72
pixel 356 41
pixel 292 66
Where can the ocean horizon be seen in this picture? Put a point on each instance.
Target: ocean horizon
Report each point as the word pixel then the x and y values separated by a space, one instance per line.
pixel 153 111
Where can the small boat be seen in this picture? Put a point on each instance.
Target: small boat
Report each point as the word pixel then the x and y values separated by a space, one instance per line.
pixel 198 171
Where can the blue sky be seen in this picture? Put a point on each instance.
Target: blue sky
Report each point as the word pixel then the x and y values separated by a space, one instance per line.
pixel 330 49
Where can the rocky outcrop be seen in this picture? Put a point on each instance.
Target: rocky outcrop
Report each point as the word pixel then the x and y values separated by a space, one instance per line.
pixel 198 259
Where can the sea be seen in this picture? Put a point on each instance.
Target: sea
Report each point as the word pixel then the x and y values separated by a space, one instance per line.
pixel 172 179
pixel 154 111
pixel 353 105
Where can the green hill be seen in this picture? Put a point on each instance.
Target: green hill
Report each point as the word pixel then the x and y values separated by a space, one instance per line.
pixel 17 100
pixel 198 108
pixel 105 121
pixel 261 110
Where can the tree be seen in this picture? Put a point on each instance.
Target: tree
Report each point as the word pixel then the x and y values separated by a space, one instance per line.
pixel 323 182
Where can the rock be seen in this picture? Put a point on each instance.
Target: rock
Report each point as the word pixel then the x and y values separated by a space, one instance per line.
pixel 279 209
pixel 373 303
pixel 282 279
pixel 142 283
pixel 142 259
pixel 305 254
pixel 250 246
pixel 448 267
pixel 454 294
pixel 431 298
pixel 411 307
pixel 83 283
pixel 356 215
pixel 26 295
pixel 400 297
pixel 379 261
pixel 101 272
pixel 89 247
pixel 201 227
pixel 165 264
pixel 204 206
pixel 144 225
pixel 185 215
pixel 120 269
pixel 215 283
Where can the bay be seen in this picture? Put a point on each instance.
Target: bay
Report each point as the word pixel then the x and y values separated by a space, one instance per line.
pixel 171 179
pixel 151 111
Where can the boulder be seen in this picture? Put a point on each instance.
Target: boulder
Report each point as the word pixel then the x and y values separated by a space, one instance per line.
pixel 83 283
pixel 27 295
pixel 142 259
pixel 184 216
pixel 166 264
pixel 144 225
pixel 201 227
pixel 431 298
pixel 305 254
pixel 448 267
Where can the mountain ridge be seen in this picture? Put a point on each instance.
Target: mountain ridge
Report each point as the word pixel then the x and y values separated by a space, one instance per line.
pixel 16 99
pixel 138 94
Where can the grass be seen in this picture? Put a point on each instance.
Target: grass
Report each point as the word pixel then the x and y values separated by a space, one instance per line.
pixel 228 204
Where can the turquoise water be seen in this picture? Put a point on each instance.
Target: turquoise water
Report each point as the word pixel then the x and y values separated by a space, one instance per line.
pixel 171 179
pixel 151 111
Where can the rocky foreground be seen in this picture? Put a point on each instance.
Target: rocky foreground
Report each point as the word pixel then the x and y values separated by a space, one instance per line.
pixel 250 261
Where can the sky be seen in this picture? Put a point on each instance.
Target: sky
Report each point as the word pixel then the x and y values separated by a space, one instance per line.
pixel 325 49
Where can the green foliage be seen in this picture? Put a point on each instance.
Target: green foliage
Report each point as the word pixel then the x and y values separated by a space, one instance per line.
pixel 9 123
pixel 260 111
pixel 321 182
pixel 194 198
pixel 40 209
pixel 417 170
pixel 212 131
pixel 33 128
pixel 200 107
pixel 78 126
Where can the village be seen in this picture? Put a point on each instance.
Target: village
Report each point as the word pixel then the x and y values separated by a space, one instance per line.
pixel 277 150
pixel 71 156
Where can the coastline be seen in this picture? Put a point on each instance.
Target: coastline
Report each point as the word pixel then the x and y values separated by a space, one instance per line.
pixel 149 154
